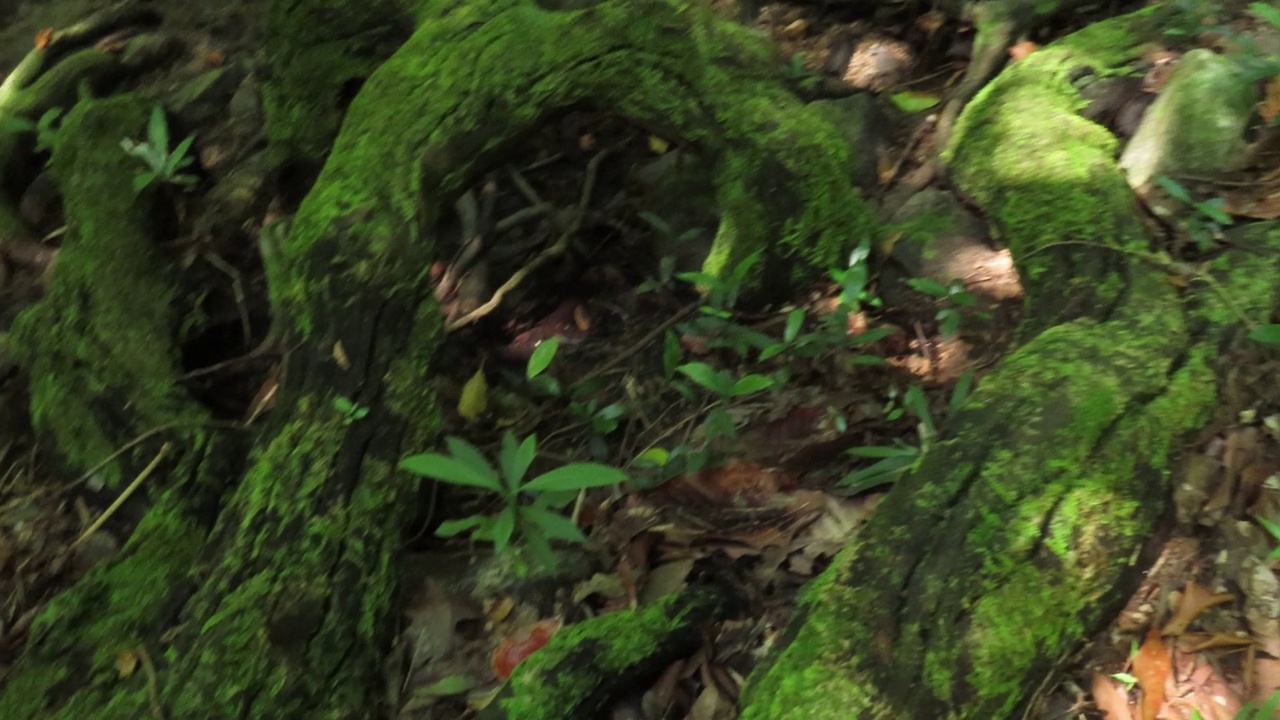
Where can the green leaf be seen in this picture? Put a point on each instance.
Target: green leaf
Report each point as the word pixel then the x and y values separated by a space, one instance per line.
pixel 1175 189
pixel 470 456
pixel 178 158
pixel 912 102
pixel 576 476
pixel 447 686
pixel 1266 334
pixel 883 472
pixel 772 351
pixel 884 451
pixel 542 356
pixel 343 405
pixel 928 286
pixel 538 544
pixel 795 321
pixel 515 460
pixel 1213 209
pixel 142 181
pixel 158 129
pixel 749 384
pixel 504 526
pixel 961 393
pixel 450 528
pixel 717 381
pixel 1266 12
pixel 555 525
pixel 671 352
pixel 447 469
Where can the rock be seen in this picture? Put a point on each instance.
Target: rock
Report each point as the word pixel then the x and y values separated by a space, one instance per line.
pixel 1197 125
pixel 861 124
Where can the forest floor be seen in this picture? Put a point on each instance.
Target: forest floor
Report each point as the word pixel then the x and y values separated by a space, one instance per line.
pixel 760 485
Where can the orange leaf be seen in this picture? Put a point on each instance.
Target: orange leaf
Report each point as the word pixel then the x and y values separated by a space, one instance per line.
pixel 43 38
pixel 1270 105
pixel 1151 666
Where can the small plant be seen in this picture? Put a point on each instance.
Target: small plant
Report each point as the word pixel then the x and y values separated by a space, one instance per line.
pixel 892 460
pixel 351 412
pixel 1208 218
pixel 44 128
pixel 1273 529
pixel 602 419
pixel 715 324
pixel 951 297
pixel 718 423
pixel 163 165
pixel 529 513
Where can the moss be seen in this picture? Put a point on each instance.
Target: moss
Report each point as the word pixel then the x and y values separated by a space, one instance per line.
pixel 87 343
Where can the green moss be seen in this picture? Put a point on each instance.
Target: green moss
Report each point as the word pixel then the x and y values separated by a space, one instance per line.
pixel 87 342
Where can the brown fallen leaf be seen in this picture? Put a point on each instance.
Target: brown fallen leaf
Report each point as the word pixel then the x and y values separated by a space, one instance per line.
pixel 1196 598
pixel 1151 666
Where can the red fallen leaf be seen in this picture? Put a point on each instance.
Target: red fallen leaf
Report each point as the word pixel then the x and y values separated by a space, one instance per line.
pixel 515 648
pixel 563 322
pixel 43 38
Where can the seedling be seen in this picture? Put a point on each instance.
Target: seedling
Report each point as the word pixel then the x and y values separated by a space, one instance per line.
pixel 351 412
pixel 951 297
pixel 163 165
pixel 528 515
pixel 44 128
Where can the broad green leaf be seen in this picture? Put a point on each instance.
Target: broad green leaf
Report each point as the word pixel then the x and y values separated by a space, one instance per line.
pixel 446 686
pixel 961 393
pixel 911 102
pixel 515 459
pixel 542 356
pixel 928 286
pixel 882 472
pixel 671 352
pixel 504 526
pixel 795 321
pixel 1266 334
pixel 142 181
pixel 717 381
pixel 449 528
pixel 1266 12
pixel 772 351
pixel 883 451
pixel 475 396
pixel 655 455
pixel 749 384
pixel 1174 188
pixel 576 476
pixel 178 158
pixel 158 129
pixel 447 469
pixel 555 525
pixel 470 456
pixel 536 540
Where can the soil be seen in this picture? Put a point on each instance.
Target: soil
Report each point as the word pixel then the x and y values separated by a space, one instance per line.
pixel 767 520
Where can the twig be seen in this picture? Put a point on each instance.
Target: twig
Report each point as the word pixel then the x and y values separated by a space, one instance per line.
pixel 642 343
pixel 128 492
pixel 560 247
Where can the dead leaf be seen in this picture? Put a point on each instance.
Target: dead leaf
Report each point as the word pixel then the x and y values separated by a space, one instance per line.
pixel 1111 698
pixel 127 663
pixel 1151 666
pixel 587 142
pixel 43 38
pixel 1270 105
pixel 340 356
pixel 1195 599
